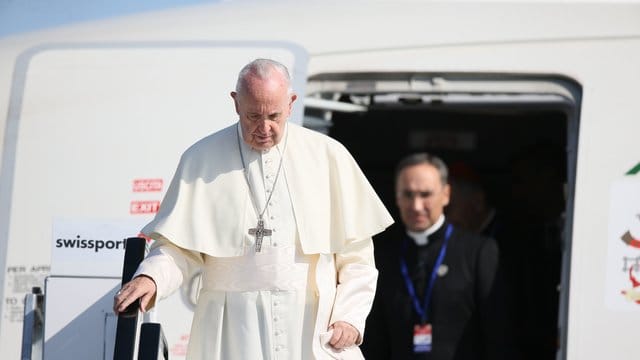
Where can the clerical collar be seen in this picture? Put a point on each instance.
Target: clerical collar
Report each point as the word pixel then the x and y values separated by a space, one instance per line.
pixel 422 237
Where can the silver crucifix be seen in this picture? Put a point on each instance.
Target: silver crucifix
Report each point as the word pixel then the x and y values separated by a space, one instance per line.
pixel 259 232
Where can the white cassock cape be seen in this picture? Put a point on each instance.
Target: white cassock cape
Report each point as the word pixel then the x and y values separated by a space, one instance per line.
pixel 207 211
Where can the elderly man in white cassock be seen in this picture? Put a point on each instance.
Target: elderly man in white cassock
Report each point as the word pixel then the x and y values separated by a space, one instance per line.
pixel 279 219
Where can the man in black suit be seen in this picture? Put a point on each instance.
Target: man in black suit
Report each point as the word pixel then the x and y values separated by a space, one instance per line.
pixel 439 294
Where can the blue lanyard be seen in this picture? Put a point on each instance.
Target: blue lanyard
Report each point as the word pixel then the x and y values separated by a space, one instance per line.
pixel 422 311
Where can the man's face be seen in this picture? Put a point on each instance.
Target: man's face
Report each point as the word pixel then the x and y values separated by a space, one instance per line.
pixel 421 196
pixel 263 107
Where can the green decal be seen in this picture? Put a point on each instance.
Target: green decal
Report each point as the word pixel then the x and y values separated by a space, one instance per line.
pixel 634 170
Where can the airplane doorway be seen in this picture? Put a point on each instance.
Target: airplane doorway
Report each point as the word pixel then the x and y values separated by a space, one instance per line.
pixel 517 146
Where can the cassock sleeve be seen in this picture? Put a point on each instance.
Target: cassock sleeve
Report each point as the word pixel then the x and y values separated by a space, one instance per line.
pixel 357 279
pixel 168 264
pixel 377 337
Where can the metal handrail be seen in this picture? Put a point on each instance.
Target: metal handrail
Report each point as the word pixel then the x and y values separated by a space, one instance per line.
pixel 33 325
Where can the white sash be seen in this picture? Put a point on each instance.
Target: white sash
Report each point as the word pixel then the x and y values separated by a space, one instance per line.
pixel 274 268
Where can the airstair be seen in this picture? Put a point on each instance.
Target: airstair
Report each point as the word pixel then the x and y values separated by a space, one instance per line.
pixel 73 318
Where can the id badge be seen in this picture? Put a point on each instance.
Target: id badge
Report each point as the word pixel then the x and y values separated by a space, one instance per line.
pixel 422 335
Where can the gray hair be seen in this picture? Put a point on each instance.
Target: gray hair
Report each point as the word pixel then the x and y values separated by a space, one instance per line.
pixel 424 158
pixel 262 69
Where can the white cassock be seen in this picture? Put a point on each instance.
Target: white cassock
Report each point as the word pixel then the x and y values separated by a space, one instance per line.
pixel 314 269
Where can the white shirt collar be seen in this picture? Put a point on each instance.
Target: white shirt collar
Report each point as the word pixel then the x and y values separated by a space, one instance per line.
pixel 422 237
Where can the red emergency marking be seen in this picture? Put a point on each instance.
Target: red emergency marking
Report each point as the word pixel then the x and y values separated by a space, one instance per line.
pixel 147 185
pixel 630 240
pixel 144 207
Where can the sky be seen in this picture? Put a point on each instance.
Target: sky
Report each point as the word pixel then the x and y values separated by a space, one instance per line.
pixel 17 16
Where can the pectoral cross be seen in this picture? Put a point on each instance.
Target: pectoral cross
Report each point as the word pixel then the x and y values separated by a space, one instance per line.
pixel 259 232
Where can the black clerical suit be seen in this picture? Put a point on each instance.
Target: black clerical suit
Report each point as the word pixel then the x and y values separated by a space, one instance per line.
pixel 467 309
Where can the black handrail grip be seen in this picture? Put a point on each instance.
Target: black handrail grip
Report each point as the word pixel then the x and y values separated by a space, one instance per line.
pixel 153 344
pixel 125 346
pixel 133 256
pixel 128 320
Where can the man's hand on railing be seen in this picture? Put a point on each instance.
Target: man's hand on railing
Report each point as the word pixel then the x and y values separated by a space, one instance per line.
pixel 142 287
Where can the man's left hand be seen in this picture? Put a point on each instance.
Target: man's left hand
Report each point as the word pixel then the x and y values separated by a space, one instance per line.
pixel 344 335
